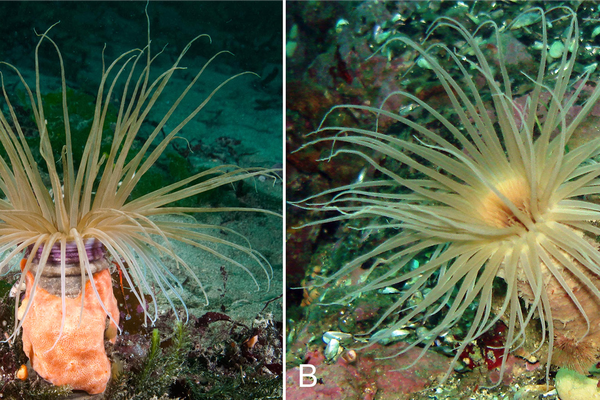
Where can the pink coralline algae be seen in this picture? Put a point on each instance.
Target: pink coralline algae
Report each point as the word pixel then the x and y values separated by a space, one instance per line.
pixel 368 375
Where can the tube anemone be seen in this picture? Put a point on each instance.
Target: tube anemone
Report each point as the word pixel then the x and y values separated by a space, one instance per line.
pixel 489 198
pixel 84 221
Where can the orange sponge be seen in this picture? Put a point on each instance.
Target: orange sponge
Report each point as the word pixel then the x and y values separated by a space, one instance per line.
pixel 79 358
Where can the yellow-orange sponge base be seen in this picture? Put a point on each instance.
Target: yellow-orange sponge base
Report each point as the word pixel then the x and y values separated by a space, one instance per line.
pixel 79 358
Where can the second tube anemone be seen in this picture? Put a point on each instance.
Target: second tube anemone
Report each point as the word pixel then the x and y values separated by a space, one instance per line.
pixel 84 221
pixel 490 197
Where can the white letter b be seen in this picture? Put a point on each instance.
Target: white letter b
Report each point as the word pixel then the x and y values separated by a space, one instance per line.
pixel 312 379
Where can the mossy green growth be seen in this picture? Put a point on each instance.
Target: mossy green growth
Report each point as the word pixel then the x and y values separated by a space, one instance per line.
pixel 39 390
pixel 5 287
pixel 228 388
pixel 82 107
pixel 158 372
pixel 170 371
pixel 172 167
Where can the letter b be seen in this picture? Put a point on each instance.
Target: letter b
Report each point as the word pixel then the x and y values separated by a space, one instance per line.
pixel 310 376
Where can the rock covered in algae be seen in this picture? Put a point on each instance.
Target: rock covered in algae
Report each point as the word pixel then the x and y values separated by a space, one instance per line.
pixel 575 386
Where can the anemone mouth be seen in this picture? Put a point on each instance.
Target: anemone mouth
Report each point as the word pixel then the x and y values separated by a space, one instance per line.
pixel 497 213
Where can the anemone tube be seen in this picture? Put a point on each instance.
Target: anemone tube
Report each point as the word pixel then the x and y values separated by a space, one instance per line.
pixel 73 230
pixel 492 199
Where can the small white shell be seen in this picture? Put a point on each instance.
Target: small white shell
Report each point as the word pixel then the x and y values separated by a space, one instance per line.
pixel 424 333
pixel 423 63
pixel 403 111
pixel 398 17
pixel 526 20
pixel 333 349
pixel 385 337
pixel 537 45
pixel 556 49
pixel 336 335
pixel 339 26
pixel 380 35
pixel 389 290
pixel 13 290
